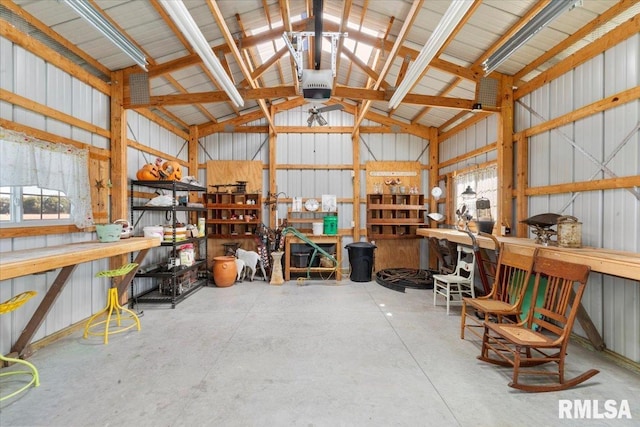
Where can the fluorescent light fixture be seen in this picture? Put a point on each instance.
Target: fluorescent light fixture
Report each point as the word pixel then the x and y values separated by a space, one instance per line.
pixel 452 17
pixel 550 12
pixel 184 21
pixel 95 18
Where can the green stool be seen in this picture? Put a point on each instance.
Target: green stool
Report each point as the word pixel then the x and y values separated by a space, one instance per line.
pixel 113 305
pixel 7 307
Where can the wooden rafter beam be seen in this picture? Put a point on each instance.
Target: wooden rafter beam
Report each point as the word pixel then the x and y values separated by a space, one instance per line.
pixel 288 26
pixel 404 51
pixel 246 72
pixel 18 11
pixel 289 91
pixel 276 33
pixel 346 11
pixel 193 58
pixel 269 63
pixel 364 67
pixel 267 15
pixel 402 34
pixel 249 55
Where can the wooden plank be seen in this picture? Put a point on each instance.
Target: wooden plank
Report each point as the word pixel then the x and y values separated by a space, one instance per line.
pixel 46 111
pixel 379 168
pixel 230 171
pixel 616 263
pixel 99 180
pixel 397 253
pixel 37 260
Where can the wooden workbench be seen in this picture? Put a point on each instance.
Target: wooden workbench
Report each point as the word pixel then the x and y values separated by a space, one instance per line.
pixel 616 263
pixel 66 257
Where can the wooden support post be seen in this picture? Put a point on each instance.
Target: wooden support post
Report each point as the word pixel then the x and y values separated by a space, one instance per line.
pixel 193 162
pixel 505 153
pixel 522 182
pixel 119 179
pixel 355 146
pixel 434 156
pixel 273 183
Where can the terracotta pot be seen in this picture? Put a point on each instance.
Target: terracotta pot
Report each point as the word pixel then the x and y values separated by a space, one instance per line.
pixel 224 271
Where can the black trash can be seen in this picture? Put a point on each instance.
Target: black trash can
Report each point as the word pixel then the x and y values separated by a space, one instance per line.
pixel 361 260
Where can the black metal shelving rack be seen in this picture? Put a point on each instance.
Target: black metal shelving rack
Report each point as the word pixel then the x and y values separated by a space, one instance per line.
pixel 162 272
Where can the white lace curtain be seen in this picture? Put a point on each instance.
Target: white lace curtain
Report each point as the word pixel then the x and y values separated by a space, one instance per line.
pixel 484 182
pixel 29 161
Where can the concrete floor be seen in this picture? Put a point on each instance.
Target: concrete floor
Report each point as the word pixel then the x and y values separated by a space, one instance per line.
pixel 319 354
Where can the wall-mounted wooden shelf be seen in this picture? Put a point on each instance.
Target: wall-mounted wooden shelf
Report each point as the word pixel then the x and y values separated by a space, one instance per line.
pixel 394 216
pixel 231 215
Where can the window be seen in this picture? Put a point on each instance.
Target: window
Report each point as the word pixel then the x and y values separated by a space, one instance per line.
pixel 27 166
pixel 33 204
pixel 484 182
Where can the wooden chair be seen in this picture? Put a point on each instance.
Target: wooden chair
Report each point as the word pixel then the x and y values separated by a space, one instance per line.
pixel 544 335
pixel 445 252
pixel 504 302
pixel 458 284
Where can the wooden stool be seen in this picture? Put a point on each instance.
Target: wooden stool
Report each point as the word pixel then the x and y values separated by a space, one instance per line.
pixel 7 307
pixel 113 305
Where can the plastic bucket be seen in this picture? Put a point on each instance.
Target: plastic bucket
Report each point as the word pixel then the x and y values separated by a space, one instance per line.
pixel 317 228
pixel 109 232
pixel 331 225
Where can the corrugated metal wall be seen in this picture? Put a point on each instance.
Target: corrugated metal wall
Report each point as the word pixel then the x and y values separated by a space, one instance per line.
pixel 29 76
pixel 610 217
pixel 572 153
pixel 308 149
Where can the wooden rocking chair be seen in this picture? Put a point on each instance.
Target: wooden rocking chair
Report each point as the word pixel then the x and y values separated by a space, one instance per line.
pixel 543 337
pixel 504 302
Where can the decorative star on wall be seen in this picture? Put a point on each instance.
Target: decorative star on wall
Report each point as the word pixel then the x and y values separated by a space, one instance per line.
pixel 99 184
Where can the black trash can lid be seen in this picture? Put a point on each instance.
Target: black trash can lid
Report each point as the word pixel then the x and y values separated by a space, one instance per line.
pixel 360 245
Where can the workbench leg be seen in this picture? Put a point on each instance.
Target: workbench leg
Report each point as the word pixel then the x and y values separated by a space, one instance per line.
pixel 126 280
pixel 42 310
pixel 588 326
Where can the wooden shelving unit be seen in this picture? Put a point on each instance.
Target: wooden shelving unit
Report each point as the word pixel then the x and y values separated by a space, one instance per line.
pixel 394 216
pixel 233 215
pixel 303 221
pixel 323 241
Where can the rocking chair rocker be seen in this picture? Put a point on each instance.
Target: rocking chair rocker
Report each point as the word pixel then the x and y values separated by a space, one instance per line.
pixel 544 335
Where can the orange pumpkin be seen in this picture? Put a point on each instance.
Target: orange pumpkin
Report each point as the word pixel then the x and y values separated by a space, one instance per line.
pixel 148 172
pixel 171 171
